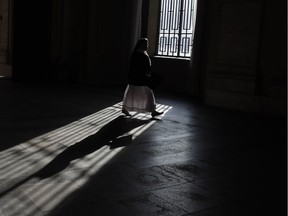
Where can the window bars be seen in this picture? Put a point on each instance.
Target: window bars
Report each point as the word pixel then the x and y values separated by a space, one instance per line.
pixel 176 28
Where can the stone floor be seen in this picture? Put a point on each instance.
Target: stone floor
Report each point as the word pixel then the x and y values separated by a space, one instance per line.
pixel 69 151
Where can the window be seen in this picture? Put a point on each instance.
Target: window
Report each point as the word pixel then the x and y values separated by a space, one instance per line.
pixel 176 28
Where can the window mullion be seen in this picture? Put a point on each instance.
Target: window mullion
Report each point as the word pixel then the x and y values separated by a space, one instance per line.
pixel 169 7
pixel 180 27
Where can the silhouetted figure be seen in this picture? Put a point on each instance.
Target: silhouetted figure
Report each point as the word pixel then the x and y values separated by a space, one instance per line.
pixel 138 96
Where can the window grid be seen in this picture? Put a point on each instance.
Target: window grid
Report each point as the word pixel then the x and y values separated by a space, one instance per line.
pixel 176 26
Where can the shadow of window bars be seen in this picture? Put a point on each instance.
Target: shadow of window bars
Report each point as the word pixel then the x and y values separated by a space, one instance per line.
pixel 20 163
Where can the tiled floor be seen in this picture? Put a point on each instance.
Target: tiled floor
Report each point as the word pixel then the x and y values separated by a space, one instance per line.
pixel 70 151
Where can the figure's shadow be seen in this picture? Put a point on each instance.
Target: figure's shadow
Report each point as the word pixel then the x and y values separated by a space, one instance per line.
pixel 107 135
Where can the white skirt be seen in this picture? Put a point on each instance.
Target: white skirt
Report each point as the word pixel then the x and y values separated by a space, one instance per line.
pixel 139 99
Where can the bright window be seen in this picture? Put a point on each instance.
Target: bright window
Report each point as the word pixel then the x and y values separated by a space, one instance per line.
pixel 176 28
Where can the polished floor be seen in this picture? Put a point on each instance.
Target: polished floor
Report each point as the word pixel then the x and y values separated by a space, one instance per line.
pixel 68 150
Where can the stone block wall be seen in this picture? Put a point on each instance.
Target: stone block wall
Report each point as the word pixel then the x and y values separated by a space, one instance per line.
pixel 236 75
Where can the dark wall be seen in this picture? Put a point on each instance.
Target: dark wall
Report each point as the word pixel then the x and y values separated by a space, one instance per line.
pixel 74 41
pixel 244 59
pixel 108 31
pixel 31 39
pixel 240 48
pixel 69 31
pixel 113 32
pixel 49 40
pixel 174 72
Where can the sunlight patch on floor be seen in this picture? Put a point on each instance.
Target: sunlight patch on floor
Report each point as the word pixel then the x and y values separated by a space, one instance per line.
pixel 19 164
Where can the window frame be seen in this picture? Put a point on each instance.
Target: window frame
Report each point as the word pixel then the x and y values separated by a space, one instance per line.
pixel 180 34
